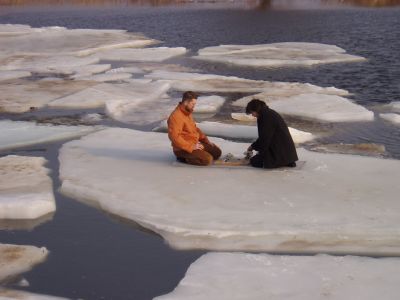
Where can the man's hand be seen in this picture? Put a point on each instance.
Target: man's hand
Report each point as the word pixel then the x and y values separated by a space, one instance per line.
pixel 198 146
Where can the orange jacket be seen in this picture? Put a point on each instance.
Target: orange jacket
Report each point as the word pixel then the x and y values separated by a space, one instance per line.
pixel 182 130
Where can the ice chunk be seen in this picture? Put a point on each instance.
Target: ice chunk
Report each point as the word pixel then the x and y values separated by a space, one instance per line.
pixel 87 70
pixel 26 189
pixel 16 259
pixel 395 106
pixel 182 81
pixel 7 294
pixel 63 41
pixel 209 104
pixel 14 134
pixel 107 77
pixel 334 203
pixel 391 117
pixel 145 54
pixel 277 54
pixel 134 70
pixel 320 107
pixel 234 131
pixel 7 75
pixel 243 117
pixel 234 276
pixel 23 96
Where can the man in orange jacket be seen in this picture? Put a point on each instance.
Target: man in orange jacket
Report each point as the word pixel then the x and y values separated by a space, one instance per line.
pixel 189 143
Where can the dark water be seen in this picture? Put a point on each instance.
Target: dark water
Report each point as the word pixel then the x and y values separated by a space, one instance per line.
pixel 95 256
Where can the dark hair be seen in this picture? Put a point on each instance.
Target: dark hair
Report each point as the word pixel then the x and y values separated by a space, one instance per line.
pixel 189 95
pixel 255 105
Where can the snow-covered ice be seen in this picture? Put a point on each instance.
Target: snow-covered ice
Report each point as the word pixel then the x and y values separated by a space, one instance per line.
pixel 335 203
pixel 391 117
pixel 132 102
pixel 7 75
pixel 184 81
pixel 18 259
pixel 7 294
pixel 21 96
pixel 235 131
pixel 234 276
pixel 15 134
pixel 320 107
pixel 26 190
pixel 61 41
pixel 277 54
pixel 142 55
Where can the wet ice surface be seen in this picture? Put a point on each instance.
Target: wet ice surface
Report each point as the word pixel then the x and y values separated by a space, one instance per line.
pixel 26 189
pixel 277 55
pixel 242 132
pixel 347 204
pixel 18 259
pixel 234 276
pixel 15 134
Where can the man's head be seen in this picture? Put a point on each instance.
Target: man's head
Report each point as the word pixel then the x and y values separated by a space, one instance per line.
pixel 254 107
pixel 189 100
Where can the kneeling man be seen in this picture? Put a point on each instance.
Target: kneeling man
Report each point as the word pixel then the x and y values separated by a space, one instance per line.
pixel 189 143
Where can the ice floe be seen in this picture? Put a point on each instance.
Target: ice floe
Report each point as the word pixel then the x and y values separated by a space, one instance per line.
pixel 394 106
pixel 320 107
pixel 243 132
pixel 234 276
pixel 107 77
pixel 26 188
pixel 391 117
pixel 137 101
pixel 335 203
pixel 15 134
pixel 23 40
pixel 7 75
pixel 142 55
pixel 277 54
pixel 183 81
pixel 209 104
pixel 24 96
pixel 18 259
pixel 87 70
pixel 243 117
pixel 7 294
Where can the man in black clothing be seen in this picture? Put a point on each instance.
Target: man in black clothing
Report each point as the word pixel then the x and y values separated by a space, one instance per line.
pixel 275 145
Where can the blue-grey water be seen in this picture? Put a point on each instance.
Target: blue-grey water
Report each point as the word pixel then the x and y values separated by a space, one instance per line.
pixel 96 256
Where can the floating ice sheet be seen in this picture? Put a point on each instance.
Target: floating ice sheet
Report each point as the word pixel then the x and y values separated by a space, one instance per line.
pixel 234 276
pixel 17 39
pixel 335 203
pixel 26 189
pixel 209 104
pixel 143 55
pixel 234 131
pixel 391 117
pixel 15 134
pixel 277 54
pixel 126 102
pixel 7 294
pixel 320 107
pixel 7 75
pixel 182 81
pixel 18 259
pixel 22 96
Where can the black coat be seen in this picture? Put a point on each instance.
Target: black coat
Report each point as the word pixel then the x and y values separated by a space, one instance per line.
pixel 274 144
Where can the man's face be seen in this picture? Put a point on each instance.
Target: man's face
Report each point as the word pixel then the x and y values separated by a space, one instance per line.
pixel 254 114
pixel 189 105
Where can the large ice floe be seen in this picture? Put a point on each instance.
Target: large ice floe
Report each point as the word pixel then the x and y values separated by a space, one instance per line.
pixel 334 203
pixel 183 81
pixel 18 259
pixel 26 190
pixel 277 54
pixel 136 101
pixel 15 134
pixel 313 106
pixel 391 117
pixel 234 276
pixel 23 96
pixel 235 131
pixel 7 294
